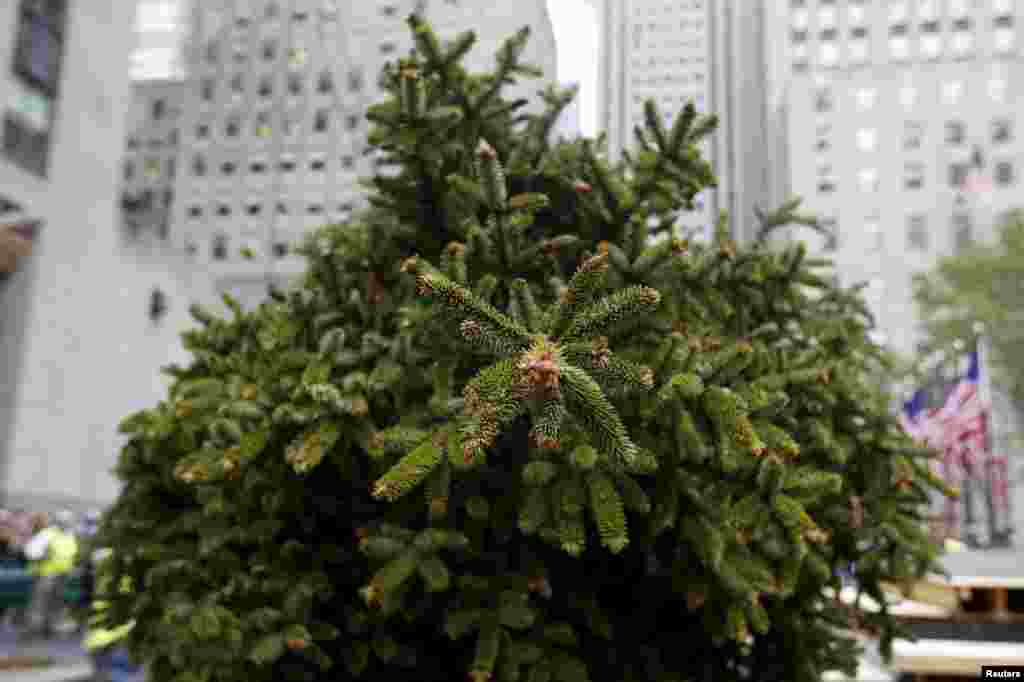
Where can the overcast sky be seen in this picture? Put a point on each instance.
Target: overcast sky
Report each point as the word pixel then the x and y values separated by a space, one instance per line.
pixel 575 23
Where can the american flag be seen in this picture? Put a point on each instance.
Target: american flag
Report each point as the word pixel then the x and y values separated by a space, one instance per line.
pixel 959 430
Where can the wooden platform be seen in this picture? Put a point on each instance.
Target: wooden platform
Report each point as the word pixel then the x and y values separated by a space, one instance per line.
pixel 952 658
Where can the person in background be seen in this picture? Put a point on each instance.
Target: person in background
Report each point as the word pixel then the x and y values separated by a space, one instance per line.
pixel 51 553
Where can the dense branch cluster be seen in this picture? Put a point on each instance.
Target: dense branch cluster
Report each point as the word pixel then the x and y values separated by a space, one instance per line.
pixel 512 426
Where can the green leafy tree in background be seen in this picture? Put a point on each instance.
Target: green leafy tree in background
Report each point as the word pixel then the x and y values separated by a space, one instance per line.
pixel 985 285
pixel 509 427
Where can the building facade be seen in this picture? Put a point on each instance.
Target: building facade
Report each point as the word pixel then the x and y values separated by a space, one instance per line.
pixel 79 349
pixel 710 52
pixel 904 120
pixel 150 165
pixel 273 136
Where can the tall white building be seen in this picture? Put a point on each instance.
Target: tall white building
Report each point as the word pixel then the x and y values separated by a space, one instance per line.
pixel 904 126
pixel 273 137
pixel 78 350
pixel 710 52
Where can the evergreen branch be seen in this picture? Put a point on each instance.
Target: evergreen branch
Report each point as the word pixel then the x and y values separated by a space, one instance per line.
pixel 598 318
pixel 588 404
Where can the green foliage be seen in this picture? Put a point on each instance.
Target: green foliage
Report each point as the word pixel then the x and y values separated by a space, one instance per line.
pixel 511 427
pixel 983 284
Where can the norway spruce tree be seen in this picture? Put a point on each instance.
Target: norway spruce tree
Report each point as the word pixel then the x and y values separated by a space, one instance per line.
pixel 512 427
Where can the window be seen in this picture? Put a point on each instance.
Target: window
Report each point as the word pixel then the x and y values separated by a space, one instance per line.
pixel 867 179
pixel 159 109
pixel 286 166
pixel 39 45
pixel 320 121
pixel 212 52
pixel 272 11
pixel 129 170
pixel 798 36
pixel 388 10
pixel 296 56
pixel 172 138
pixel 962 237
pixel 223 210
pixel 829 54
pixel 954 132
pixel 899 47
pixel 220 247
pixel 257 167
pixel 912 134
pixel 266 88
pixel 318 165
pixel 351 122
pixel 953 91
pixel 355 80
pixel 1004 39
pixel 295 84
pixel 269 49
pixel 228 168
pixel 170 165
pixel 826 181
pixel 195 212
pixel 280 249
pixel 347 162
pixel 232 128
pixel 917 232
pixel 867 138
pixel 913 176
pixel 831 229
pixel 997 89
pixel 823 100
pixel 133 143
pixel 876 238
pixel 858 50
pixel 1003 21
pixel 151 168
pixel 237 83
pixel 387 47
pixel 282 208
pixel 829 34
pixel 1002 132
pixel 1004 173
pixel 325 83
pixel 908 96
pixel 198 165
pixel 957 175
pixel 262 124
pixel 315 209
pixel 254 209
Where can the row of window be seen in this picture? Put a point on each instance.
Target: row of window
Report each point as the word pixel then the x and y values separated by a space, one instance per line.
pixel 965 24
pixel 961 45
pixel 953 92
pixel 200 167
pixel 1001 133
pixel 152 169
pixel 899 10
pixel 918 236
pixel 263 127
pixel 959 176
pixel 343 209
pixel 295 85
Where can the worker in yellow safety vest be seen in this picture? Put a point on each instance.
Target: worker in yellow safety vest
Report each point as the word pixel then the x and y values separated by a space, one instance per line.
pixel 102 640
pixel 51 553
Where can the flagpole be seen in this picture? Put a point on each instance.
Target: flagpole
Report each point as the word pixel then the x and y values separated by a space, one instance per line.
pixel 985 395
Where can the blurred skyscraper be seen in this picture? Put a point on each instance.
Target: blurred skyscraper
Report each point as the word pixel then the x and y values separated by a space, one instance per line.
pixel 710 52
pixel 904 122
pixel 78 348
pixel 273 131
